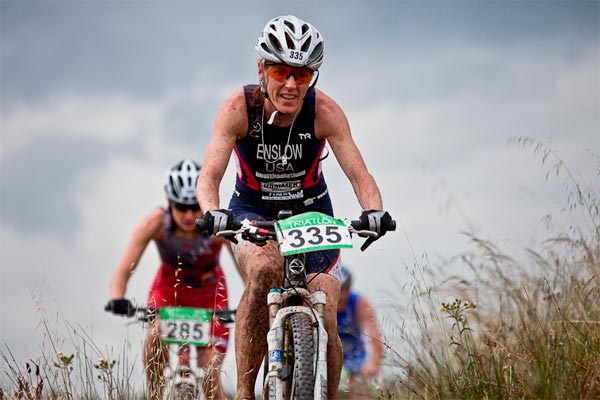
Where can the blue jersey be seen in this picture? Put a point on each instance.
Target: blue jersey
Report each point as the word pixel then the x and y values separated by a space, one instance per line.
pixel 280 165
pixel 355 352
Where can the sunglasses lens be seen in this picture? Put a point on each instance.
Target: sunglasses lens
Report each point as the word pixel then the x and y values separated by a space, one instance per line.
pixel 278 72
pixel 303 76
pixel 281 72
pixel 185 207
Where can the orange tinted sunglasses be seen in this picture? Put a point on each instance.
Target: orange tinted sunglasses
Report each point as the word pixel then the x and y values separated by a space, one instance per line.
pixel 281 73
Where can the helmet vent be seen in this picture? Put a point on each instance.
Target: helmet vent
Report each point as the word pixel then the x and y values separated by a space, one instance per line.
pixel 305 29
pixel 289 25
pixel 275 42
pixel 318 51
pixel 306 45
pixel 290 42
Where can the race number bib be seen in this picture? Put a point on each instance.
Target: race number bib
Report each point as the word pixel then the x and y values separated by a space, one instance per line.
pixel 311 231
pixel 185 325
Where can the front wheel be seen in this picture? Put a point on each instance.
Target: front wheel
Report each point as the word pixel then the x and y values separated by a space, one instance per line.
pixel 299 357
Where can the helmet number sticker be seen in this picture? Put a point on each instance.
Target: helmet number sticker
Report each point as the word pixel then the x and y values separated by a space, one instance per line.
pixel 295 55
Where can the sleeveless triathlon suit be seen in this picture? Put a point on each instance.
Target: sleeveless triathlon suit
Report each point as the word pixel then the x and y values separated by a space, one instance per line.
pixel 190 276
pixel 355 353
pixel 279 168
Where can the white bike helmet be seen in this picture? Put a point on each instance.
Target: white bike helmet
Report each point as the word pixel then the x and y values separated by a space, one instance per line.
pixel 291 41
pixel 180 182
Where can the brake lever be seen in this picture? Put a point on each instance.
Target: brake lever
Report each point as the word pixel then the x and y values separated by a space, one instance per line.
pixel 367 243
pixel 370 235
pixel 229 235
pixel 257 239
pixel 366 233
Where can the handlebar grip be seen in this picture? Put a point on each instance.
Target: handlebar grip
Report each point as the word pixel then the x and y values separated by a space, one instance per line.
pixel 392 226
pixel 202 225
pixel 358 225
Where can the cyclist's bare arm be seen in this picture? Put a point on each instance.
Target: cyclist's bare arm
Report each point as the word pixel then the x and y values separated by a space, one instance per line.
pixel 368 324
pixel 331 124
pixel 231 124
pixel 148 229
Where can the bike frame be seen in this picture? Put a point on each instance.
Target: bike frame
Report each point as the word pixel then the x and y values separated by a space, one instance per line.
pixel 182 369
pixel 282 303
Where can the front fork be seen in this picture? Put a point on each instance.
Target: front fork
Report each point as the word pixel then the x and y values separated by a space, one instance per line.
pixel 277 316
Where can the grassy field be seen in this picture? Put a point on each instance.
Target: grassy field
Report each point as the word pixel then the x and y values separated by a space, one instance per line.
pixel 514 328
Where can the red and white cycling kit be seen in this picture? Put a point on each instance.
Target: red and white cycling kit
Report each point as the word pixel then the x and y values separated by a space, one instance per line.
pixel 190 276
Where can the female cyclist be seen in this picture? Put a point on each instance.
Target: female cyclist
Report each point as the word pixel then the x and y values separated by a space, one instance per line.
pixel 278 130
pixel 189 275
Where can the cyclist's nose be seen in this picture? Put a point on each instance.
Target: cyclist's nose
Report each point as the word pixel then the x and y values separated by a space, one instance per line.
pixel 189 213
pixel 290 80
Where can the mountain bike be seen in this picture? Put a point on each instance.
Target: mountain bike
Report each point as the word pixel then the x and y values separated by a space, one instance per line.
pixel 182 329
pixel 296 359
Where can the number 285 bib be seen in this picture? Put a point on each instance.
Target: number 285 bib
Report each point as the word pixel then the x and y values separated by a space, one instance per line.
pixel 185 325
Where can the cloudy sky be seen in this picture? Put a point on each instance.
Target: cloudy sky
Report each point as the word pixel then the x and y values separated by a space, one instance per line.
pixel 99 98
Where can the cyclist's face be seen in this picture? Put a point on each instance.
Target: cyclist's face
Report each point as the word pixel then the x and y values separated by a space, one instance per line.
pixel 286 86
pixel 185 216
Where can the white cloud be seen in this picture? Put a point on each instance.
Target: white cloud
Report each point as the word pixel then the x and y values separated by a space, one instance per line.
pixel 111 118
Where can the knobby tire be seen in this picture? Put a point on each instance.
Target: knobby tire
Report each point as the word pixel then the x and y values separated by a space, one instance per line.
pixel 300 355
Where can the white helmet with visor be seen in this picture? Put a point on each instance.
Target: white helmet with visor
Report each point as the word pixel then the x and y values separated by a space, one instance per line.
pixel 180 182
pixel 291 41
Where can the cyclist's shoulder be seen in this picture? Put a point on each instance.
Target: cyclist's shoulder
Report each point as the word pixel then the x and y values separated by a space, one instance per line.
pixel 235 98
pixel 150 226
pixel 323 100
pixel 330 119
pixel 232 116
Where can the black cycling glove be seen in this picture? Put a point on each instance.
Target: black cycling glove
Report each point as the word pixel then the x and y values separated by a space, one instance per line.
pixel 376 221
pixel 220 220
pixel 120 307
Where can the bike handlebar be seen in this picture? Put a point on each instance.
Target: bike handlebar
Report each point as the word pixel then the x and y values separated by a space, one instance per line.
pixel 260 231
pixel 148 314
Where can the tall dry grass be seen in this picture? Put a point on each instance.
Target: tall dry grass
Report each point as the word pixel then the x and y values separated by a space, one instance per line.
pixel 70 366
pixel 512 328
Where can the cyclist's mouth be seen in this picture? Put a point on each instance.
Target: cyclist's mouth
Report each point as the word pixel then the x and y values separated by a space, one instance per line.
pixel 288 97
